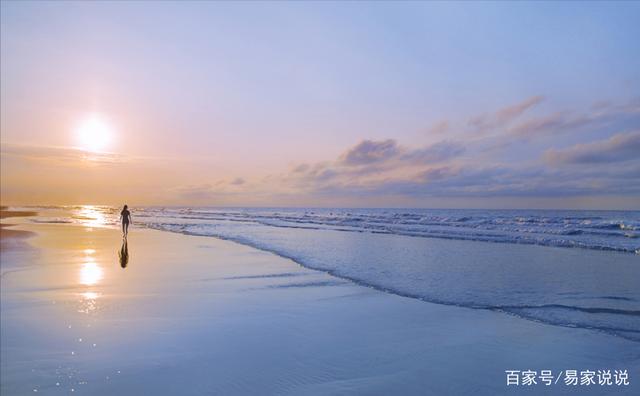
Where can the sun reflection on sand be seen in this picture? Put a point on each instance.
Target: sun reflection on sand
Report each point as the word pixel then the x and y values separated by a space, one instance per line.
pixel 91 273
pixel 90 295
pixel 89 302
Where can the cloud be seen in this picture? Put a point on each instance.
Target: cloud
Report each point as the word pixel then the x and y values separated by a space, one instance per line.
pixel 371 160
pixel 438 173
pixel 208 191
pixel 66 156
pixel 509 113
pixel 502 180
pixel 439 170
pixel 370 151
pixel 439 128
pixel 435 153
pixel 317 173
pixel 301 168
pixel 618 148
pixel 562 122
pixel 460 166
pixel 580 156
pixel 505 115
pixel 198 192
pixel 600 116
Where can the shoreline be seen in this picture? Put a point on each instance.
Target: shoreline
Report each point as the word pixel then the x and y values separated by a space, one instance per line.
pixel 568 244
pixel 4 213
pixel 10 237
pixel 444 259
pixel 502 310
pixel 236 320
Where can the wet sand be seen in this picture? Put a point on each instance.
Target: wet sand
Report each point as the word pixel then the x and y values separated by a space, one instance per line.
pixel 7 233
pixel 9 237
pixel 196 315
pixel 5 213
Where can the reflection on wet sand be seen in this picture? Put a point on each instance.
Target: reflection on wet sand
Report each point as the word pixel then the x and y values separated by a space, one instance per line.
pixel 89 302
pixel 123 254
pixel 90 295
pixel 91 273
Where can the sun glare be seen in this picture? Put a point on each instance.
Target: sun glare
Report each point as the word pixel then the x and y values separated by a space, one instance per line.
pixel 90 273
pixel 94 134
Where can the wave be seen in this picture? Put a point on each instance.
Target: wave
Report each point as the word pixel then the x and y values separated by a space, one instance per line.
pixel 594 310
pixel 598 318
pixel 44 221
pixel 610 231
pixel 387 250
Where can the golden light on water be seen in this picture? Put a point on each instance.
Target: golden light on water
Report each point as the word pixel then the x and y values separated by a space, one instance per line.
pixel 91 216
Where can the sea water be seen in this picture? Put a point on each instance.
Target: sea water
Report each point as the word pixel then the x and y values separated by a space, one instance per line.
pixel 566 268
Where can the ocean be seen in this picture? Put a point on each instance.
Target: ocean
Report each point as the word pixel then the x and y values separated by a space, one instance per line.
pixel 564 268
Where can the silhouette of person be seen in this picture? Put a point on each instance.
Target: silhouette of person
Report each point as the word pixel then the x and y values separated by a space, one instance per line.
pixel 125 216
pixel 123 254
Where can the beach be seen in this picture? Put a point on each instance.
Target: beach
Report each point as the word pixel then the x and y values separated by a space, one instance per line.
pixel 319 198
pixel 10 237
pixel 195 315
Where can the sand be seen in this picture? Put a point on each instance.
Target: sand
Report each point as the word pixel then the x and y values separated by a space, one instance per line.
pixel 11 238
pixel 4 213
pixel 196 315
pixel 7 233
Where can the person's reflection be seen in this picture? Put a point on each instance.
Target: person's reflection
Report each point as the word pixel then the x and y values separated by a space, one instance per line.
pixel 123 254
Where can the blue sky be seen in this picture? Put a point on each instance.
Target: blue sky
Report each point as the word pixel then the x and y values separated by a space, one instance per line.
pixel 464 104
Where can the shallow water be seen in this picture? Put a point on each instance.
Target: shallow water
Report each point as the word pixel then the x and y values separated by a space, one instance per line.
pixel 597 230
pixel 196 315
pixel 566 268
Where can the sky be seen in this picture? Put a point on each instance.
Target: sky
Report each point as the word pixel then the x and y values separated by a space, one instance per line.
pixel 465 105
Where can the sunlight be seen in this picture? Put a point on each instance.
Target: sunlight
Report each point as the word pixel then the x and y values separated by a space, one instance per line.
pixel 90 295
pixel 94 133
pixel 91 216
pixel 89 303
pixel 90 273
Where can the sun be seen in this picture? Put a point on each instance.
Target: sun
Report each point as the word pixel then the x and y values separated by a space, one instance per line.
pixel 94 133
